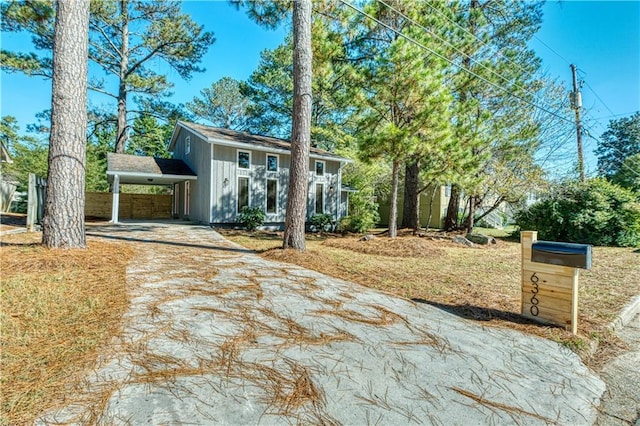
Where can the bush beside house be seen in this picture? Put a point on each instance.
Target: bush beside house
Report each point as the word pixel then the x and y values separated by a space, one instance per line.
pixel 594 212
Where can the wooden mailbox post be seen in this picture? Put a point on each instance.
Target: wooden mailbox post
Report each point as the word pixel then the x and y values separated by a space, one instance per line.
pixel 550 289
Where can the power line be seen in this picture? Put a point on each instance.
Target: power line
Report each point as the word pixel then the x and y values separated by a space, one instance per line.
pixel 551 49
pixel 454 47
pixel 411 40
pixel 595 94
pixel 624 156
pixel 615 115
pixel 482 42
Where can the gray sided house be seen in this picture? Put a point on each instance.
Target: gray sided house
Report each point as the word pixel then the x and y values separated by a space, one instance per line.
pixel 236 169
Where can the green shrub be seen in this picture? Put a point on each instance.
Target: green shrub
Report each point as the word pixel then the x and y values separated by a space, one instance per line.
pixel 251 218
pixel 359 224
pixel 321 222
pixel 595 212
pixel 363 213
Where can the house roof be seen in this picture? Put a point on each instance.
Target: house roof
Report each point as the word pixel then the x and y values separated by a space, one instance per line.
pixel 136 169
pixel 247 140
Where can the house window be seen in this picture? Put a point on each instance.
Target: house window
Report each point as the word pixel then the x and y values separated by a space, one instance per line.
pixel 272 196
pixel 244 160
pixel 319 168
pixel 272 163
pixel 187 145
pixel 187 194
pixel 243 193
pixel 319 198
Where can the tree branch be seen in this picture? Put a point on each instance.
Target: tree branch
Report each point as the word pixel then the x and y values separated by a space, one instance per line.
pixel 104 92
pixel 108 40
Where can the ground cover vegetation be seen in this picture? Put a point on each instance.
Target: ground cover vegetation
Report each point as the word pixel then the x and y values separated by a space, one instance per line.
pixel 57 308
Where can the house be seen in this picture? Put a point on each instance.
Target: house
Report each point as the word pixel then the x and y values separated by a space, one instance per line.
pixel 216 172
pixel 8 185
pixel 435 208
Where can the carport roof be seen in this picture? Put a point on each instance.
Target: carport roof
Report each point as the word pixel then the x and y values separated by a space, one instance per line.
pixel 135 169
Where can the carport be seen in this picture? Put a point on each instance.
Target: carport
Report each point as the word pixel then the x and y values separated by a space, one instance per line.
pixel 138 170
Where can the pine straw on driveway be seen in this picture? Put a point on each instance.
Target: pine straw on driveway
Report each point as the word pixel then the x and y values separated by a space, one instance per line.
pixel 481 283
pixel 57 307
pixel 216 335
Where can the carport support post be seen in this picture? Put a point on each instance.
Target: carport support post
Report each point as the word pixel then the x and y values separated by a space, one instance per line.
pixel 115 206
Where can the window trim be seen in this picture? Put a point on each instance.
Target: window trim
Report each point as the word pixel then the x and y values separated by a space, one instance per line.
pixel 324 167
pixel 266 159
pixel 324 198
pixel 238 151
pixel 238 192
pixel 187 145
pixel 266 201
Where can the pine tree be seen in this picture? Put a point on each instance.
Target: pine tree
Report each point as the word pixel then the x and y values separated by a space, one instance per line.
pixel 404 101
pixel 270 90
pixel 498 69
pixel 301 128
pixel 222 105
pixel 125 37
pixel 63 221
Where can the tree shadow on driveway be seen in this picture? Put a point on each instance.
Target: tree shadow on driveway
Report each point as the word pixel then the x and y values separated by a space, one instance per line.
pixel 477 313
pixel 172 243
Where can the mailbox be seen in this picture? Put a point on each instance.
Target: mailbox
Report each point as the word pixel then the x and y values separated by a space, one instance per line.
pixel 563 254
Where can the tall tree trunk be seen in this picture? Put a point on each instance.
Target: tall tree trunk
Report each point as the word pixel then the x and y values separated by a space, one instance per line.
pixel 451 221
pixel 472 211
pixel 63 221
pixel 301 127
pixel 411 202
pixel 393 211
pixel 121 134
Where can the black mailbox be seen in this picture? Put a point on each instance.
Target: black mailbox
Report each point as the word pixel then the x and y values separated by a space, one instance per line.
pixel 564 254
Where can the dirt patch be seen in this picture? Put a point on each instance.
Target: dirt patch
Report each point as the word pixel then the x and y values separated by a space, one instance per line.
pixel 396 247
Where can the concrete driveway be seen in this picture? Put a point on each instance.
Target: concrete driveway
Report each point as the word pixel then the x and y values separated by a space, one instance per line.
pixel 218 335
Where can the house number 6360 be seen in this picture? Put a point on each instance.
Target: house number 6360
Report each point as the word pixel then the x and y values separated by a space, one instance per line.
pixel 534 299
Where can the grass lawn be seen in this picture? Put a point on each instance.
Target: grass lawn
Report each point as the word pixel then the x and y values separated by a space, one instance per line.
pixel 479 283
pixel 57 307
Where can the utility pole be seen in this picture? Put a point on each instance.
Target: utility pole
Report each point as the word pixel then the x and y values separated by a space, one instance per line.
pixel 576 104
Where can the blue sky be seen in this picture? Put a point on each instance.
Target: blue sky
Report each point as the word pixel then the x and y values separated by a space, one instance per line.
pixel 601 38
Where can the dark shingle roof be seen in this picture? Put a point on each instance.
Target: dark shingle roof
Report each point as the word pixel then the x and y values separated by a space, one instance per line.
pixel 250 139
pixel 137 164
